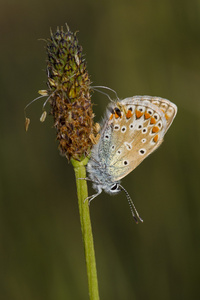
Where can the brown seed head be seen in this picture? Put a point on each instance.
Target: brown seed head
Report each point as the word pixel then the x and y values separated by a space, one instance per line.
pixel 69 91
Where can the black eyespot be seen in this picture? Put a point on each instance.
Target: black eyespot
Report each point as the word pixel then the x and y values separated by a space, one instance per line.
pixel 156 116
pixel 128 146
pixel 118 111
pixel 142 151
pixel 150 112
pixel 130 108
pixel 123 129
pixel 144 130
pixel 139 126
pixel 106 136
pixel 125 162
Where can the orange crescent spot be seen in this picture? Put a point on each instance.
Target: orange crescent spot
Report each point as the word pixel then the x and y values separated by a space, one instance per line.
pixel 153 120
pixel 116 115
pixel 147 115
pixel 155 129
pixel 155 138
pixel 111 116
pixel 166 117
pixel 138 113
pixel 129 114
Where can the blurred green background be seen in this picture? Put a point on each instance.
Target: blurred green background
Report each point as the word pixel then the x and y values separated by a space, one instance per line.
pixel 135 47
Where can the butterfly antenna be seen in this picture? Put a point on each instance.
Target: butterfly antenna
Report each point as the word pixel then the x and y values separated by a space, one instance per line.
pixel 132 206
pixel 97 87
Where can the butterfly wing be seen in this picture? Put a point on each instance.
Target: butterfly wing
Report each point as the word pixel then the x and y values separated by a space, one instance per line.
pixel 167 107
pixel 135 127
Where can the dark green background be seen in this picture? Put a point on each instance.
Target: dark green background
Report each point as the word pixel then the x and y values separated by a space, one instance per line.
pixel 135 47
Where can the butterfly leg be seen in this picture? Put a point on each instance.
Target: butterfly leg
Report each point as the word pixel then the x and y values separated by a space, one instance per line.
pixel 86 178
pixel 90 198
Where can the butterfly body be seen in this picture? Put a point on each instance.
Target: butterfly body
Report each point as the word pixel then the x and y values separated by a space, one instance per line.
pixel 132 129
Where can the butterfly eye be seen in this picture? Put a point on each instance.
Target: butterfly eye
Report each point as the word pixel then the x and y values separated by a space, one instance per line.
pixel 115 187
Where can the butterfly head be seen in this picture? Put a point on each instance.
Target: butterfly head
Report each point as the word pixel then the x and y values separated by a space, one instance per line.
pixel 111 188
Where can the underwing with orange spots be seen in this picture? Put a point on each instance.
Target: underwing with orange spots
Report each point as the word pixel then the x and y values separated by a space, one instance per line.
pixel 132 129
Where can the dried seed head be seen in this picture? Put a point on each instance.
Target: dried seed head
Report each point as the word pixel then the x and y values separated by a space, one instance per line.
pixel 69 94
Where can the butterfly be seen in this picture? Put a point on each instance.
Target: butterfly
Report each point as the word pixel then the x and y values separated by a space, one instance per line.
pixel 131 130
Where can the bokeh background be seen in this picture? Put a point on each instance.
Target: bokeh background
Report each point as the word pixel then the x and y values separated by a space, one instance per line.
pixel 135 47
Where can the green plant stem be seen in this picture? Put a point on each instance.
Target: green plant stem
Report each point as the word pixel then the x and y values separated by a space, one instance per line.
pixel 82 192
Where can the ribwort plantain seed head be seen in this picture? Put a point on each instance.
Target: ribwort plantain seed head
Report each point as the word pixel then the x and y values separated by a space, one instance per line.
pixel 69 94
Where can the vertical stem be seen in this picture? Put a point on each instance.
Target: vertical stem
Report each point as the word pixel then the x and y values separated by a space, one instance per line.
pixel 82 192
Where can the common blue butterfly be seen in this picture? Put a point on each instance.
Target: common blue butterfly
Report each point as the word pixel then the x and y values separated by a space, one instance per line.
pixel 131 130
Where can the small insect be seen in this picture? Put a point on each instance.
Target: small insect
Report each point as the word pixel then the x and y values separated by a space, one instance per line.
pixel 132 129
